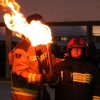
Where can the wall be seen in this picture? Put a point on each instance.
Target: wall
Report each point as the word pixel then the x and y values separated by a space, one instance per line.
pixel 61 10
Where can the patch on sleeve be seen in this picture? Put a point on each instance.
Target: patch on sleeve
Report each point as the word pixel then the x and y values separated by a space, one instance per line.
pixel 18 55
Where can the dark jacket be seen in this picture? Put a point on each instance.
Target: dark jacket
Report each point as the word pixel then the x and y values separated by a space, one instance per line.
pixel 78 80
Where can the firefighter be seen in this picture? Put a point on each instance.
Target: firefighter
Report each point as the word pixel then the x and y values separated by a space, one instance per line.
pixel 78 79
pixel 29 69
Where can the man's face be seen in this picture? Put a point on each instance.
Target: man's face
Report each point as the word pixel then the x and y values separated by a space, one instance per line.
pixel 76 52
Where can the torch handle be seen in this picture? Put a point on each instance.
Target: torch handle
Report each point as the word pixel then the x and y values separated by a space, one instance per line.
pixel 49 57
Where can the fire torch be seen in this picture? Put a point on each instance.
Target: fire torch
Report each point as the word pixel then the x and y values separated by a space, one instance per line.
pixel 36 32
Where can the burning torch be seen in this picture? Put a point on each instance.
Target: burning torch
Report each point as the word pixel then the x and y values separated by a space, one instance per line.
pixel 36 32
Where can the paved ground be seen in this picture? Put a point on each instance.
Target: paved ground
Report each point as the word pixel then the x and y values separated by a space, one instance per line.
pixel 5 90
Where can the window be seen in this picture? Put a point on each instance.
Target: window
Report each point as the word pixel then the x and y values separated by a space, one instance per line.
pixel 64 39
pixel 2 33
pixel 96 34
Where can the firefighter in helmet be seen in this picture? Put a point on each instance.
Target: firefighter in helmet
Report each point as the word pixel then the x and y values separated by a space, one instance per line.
pixel 29 68
pixel 78 79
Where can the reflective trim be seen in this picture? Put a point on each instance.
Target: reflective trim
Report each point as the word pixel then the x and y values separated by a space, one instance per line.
pixel 63 59
pixel 24 91
pixel 34 78
pixel 32 58
pixel 31 78
pixel 83 78
pixel 62 75
pixel 96 98
pixel 43 56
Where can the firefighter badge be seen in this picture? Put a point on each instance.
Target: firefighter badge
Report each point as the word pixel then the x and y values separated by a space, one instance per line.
pixel 18 55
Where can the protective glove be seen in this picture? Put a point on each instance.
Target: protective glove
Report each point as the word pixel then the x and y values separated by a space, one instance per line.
pixel 46 78
pixel 50 79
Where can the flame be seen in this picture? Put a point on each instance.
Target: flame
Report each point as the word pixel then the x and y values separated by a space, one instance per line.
pixel 36 32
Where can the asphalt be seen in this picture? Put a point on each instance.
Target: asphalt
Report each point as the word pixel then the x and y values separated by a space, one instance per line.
pixel 5 89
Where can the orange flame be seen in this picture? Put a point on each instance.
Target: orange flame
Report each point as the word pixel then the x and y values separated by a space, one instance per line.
pixel 37 32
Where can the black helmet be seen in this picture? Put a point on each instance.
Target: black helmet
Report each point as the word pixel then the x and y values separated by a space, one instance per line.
pixel 35 17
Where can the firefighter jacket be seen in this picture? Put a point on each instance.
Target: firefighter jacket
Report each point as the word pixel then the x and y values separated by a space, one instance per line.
pixel 26 72
pixel 78 80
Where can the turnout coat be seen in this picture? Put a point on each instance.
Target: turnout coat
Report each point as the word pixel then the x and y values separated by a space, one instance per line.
pixel 27 70
pixel 78 80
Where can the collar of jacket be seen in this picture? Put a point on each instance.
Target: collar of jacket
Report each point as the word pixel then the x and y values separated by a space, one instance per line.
pixel 27 40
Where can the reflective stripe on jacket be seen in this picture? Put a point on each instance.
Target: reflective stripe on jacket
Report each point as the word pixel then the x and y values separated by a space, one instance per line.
pixel 25 92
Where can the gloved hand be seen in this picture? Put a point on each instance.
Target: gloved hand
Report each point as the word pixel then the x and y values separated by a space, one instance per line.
pixel 50 79
pixel 46 78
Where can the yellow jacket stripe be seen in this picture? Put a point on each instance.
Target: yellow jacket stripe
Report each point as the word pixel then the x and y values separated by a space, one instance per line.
pixel 83 78
pixel 34 78
pixel 43 56
pixel 25 92
pixel 96 98
pixel 32 58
